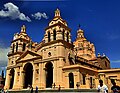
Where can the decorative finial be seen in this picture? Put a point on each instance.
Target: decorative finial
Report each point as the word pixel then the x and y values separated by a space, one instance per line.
pixel 104 55
pixel 57 13
pixel 98 55
pixel 23 29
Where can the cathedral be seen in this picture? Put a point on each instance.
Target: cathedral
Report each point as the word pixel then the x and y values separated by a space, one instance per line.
pixel 56 60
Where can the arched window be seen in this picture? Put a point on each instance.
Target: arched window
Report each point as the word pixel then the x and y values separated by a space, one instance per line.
pixel 84 81
pixel 105 63
pixel 16 47
pixel 63 34
pixel 54 34
pixel 24 46
pixel 13 48
pixel 48 36
pixel 67 37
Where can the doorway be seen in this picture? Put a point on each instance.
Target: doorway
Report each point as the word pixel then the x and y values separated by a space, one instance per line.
pixel 71 80
pixel 28 75
pixel 49 75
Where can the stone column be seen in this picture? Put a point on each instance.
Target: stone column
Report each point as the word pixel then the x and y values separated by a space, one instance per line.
pixel 7 81
pixel 69 38
pixel 87 81
pixel 22 76
pixel 33 79
pixel 65 36
pixel 109 85
pixel 96 82
pixel 43 76
pixel 51 36
pixel 54 72
pixel 102 77
pixel 60 74
pixel 15 78
pixel 46 38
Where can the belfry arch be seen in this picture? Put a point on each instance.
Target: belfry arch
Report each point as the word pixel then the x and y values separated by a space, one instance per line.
pixel 49 74
pixel 12 73
pixel 28 74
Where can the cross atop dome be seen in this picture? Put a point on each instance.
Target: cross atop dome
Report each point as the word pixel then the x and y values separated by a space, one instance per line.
pixel 80 33
pixel 57 13
pixel 23 29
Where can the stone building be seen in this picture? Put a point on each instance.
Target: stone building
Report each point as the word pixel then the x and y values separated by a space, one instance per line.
pixel 2 80
pixel 56 60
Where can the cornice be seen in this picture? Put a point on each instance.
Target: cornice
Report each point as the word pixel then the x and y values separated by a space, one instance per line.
pixel 78 67
pixel 20 39
pixel 53 42
pixel 58 24
pixel 11 54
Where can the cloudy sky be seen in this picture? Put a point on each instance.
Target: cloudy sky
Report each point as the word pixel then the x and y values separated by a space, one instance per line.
pixel 100 20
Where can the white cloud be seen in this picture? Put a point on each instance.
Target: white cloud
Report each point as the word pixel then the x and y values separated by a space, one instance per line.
pixel 115 61
pixel 3 56
pixel 13 12
pixel 112 36
pixel 39 15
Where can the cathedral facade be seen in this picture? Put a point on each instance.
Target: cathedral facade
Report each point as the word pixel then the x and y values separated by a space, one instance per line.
pixel 56 60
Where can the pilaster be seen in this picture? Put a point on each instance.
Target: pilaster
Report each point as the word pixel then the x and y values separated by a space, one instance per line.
pixel 7 81
pixel 22 76
pixel 15 85
pixel 87 81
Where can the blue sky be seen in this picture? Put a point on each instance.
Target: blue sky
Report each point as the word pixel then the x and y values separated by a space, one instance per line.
pixel 100 20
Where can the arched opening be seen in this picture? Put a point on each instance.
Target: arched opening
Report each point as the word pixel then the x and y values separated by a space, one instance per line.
pixel 48 36
pixel 49 74
pixel 12 71
pixel 84 81
pixel 67 37
pixel 16 47
pixel 71 80
pixel 91 82
pixel 13 48
pixel 54 34
pixel 63 34
pixel 24 46
pixel 28 75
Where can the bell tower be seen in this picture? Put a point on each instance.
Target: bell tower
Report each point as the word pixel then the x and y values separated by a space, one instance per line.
pixel 19 44
pixel 56 47
pixel 57 29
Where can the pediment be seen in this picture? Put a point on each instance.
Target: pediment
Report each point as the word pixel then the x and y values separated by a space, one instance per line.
pixel 28 55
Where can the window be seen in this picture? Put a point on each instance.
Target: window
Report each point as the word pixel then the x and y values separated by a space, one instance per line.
pixel 48 36
pixel 13 48
pixel 67 37
pixel 54 34
pixel 16 47
pixel 84 82
pixel 63 34
pixel 71 80
pixel 91 82
pixel 105 63
pixel 24 46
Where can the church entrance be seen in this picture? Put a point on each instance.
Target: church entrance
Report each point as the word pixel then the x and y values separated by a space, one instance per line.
pixel 49 74
pixel 71 80
pixel 12 71
pixel 28 75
